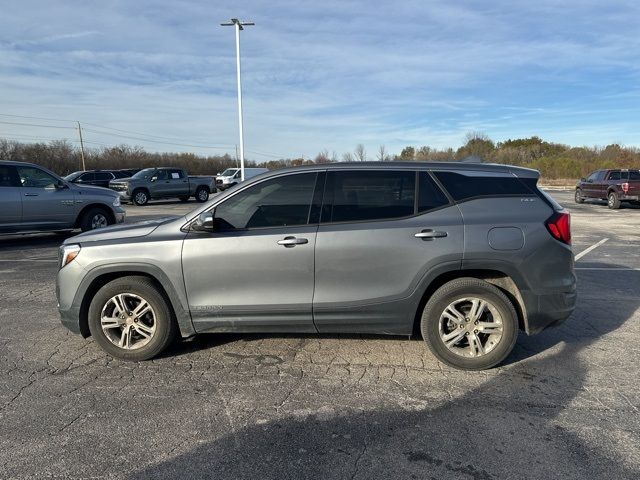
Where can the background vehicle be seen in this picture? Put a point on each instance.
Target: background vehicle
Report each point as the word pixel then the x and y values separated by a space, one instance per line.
pixel 231 176
pixel 97 178
pixel 128 172
pixel 465 253
pixel 165 182
pixel 614 186
pixel 35 199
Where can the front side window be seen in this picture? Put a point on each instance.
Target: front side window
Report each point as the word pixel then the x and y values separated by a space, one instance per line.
pixel 87 177
pixel 361 195
pixel 593 176
pixel 8 176
pixel 229 172
pixel 145 173
pixel 280 202
pixel 36 178
pixel 161 174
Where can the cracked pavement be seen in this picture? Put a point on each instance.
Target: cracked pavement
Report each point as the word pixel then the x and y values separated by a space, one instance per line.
pixel 564 405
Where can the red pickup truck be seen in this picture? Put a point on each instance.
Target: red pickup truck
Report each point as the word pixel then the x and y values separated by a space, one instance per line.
pixel 614 186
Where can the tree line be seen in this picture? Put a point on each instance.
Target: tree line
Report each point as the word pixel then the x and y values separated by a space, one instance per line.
pixel 553 160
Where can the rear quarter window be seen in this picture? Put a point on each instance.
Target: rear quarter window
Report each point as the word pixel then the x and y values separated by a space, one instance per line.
pixel 463 187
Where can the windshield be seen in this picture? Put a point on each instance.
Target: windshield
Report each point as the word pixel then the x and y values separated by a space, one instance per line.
pixel 72 176
pixel 146 173
pixel 229 172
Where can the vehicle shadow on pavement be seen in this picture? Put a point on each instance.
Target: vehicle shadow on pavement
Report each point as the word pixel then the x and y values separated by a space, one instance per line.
pixel 33 241
pixel 514 425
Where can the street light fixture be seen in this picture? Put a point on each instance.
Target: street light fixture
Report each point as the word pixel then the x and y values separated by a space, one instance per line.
pixel 239 26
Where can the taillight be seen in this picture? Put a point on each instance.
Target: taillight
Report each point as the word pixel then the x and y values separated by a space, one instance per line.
pixel 625 187
pixel 559 226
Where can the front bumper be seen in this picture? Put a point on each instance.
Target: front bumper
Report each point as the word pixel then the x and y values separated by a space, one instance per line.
pixel 119 214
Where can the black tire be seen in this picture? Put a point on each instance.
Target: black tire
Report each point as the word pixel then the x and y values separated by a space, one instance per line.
pixel 202 194
pixel 166 328
pixel 613 201
pixel 140 197
pixel 459 289
pixel 578 196
pixel 184 199
pixel 95 218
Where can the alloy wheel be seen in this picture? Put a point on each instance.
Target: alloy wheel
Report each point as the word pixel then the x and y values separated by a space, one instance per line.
pixel 128 321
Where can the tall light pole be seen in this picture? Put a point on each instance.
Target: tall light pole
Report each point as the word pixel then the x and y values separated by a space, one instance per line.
pixel 239 26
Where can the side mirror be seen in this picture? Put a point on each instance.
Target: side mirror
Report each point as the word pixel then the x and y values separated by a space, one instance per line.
pixel 204 222
pixel 583 179
pixel 61 185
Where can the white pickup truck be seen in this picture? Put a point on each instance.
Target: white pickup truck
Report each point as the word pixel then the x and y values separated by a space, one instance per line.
pixel 231 176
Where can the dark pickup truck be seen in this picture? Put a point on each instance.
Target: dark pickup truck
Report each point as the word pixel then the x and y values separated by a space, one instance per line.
pixel 164 182
pixel 614 186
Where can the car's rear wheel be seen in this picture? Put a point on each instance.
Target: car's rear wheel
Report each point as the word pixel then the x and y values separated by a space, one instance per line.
pixel 140 197
pixel 95 218
pixel 131 319
pixel 613 201
pixel 578 196
pixel 202 194
pixel 469 324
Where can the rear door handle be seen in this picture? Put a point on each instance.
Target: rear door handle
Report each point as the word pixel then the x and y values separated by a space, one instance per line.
pixel 289 242
pixel 30 194
pixel 429 234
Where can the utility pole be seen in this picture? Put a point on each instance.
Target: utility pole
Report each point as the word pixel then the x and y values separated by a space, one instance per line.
pixel 236 156
pixel 81 146
pixel 239 26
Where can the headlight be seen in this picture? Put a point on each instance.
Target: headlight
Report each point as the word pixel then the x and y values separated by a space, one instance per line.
pixel 68 253
pixel 116 201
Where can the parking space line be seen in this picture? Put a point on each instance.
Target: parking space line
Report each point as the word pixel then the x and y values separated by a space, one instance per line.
pixel 591 248
pixel 46 260
pixel 609 268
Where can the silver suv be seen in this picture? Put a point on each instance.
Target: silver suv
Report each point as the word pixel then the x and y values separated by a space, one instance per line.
pixel 466 254
pixel 34 199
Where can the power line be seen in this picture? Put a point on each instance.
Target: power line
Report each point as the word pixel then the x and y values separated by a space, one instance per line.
pixel 156 141
pixel 35 125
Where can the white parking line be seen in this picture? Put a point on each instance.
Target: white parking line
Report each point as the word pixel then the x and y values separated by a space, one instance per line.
pixel 591 248
pixel 609 268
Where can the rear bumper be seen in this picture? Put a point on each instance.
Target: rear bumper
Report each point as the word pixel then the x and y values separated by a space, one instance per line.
pixel 630 198
pixel 546 310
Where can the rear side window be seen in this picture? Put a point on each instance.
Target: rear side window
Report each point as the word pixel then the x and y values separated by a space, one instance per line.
pixel 354 196
pixel 614 175
pixel 429 194
pixel 103 176
pixel 634 175
pixel 9 176
pixel 176 174
pixel 87 177
pixel 463 187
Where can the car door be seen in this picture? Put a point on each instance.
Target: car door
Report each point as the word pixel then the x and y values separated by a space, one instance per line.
pixel 10 199
pixel 102 179
pixel 375 243
pixel 47 202
pixel 159 185
pixel 178 182
pixel 589 186
pixel 254 271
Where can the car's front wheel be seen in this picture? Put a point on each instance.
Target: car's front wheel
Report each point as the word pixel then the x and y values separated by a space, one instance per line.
pixel 140 197
pixel 578 196
pixel 131 319
pixel 95 218
pixel 469 324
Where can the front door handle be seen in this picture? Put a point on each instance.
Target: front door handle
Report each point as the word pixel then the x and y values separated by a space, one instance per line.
pixel 289 242
pixel 30 194
pixel 429 234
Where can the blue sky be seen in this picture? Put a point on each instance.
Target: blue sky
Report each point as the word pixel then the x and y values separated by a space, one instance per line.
pixel 316 75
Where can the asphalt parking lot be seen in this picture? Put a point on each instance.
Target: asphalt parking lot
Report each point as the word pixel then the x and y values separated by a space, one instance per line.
pixel 565 404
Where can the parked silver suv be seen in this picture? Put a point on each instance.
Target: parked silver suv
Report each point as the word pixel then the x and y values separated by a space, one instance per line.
pixel 467 254
pixel 34 199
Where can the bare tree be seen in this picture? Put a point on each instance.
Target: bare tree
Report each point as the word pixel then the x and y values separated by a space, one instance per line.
pixel 383 155
pixel 347 157
pixel 322 157
pixel 360 153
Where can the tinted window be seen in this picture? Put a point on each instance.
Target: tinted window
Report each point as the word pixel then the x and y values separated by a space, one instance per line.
pixel 161 174
pixel 614 175
pixel 634 175
pixel 600 175
pixel 365 195
pixel 280 202
pixel 87 177
pixel 429 194
pixel 461 187
pixel 176 174
pixel 103 176
pixel 34 177
pixel 593 177
pixel 121 174
pixel 8 176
